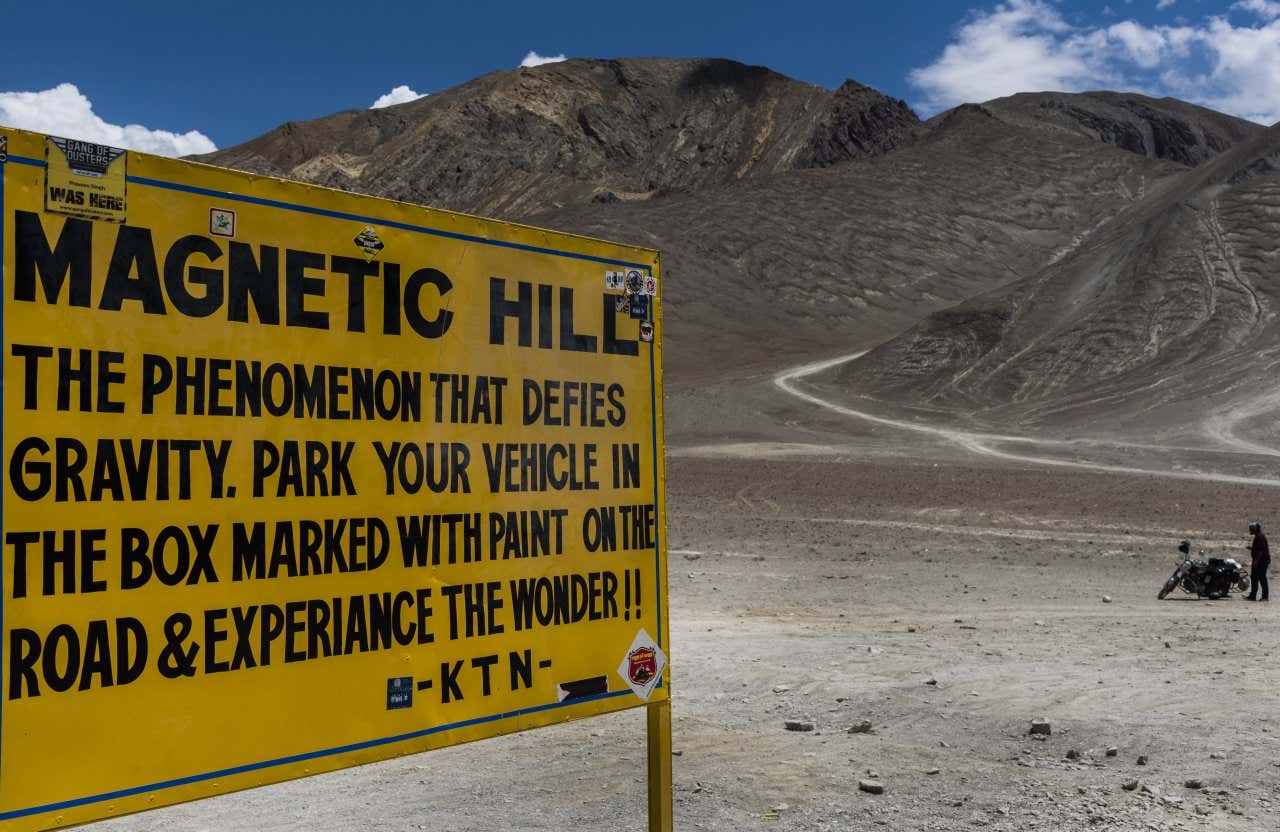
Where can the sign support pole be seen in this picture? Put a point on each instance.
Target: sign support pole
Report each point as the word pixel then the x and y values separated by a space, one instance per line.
pixel 659 716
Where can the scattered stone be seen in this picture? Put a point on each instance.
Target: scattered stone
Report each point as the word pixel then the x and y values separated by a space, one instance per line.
pixel 1130 785
pixel 1106 599
pixel 1039 623
pixel 871 786
pixel 1142 759
pixel 1193 783
pixel 1112 751
pixel 781 688
pixel 911 629
pixel 1072 754
pixel 931 681
pixel 1217 756
pixel 944 744
pixel 862 727
pixel 933 771
pixel 1041 726
pixel 797 725
pixel 677 753
pixel 781 807
pixel 1167 645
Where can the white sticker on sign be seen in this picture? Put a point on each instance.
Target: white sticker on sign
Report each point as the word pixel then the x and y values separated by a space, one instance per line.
pixel 642 667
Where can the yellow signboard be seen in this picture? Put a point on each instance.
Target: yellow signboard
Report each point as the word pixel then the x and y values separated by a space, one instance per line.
pixel 297 479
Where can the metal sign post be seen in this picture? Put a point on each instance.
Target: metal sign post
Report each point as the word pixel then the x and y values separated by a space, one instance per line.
pixel 659 717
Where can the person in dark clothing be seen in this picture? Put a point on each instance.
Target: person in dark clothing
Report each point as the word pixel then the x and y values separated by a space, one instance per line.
pixel 1260 553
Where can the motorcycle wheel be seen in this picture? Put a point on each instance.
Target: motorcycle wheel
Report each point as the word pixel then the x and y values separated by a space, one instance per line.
pixel 1168 587
pixel 1242 583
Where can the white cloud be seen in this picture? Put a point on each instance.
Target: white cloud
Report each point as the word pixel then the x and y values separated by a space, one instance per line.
pixel 1027 45
pixel 65 111
pixel 1164 4
pixel 398 95
pixel 534 59
pixel 1019 45
pixel 1266 9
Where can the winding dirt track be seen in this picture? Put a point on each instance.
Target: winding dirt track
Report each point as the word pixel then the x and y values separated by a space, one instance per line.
pixel 983 443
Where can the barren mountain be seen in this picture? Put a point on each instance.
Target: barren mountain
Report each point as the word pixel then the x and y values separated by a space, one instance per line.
pixel 515 142
pixel 1162 128
pixel 821 260
pixel 1161 324
pixel 796 220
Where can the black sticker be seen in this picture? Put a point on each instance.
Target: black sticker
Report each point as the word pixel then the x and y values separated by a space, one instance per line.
pixel 399 692
pixel 640 306
pixel 582 688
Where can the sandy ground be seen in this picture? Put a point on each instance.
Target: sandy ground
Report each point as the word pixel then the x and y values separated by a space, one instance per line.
pixel 830 573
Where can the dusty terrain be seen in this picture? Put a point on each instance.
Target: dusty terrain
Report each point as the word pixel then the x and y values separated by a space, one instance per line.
pixel 830 570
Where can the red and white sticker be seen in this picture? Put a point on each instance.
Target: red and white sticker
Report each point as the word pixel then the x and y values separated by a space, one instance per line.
pixel 642 667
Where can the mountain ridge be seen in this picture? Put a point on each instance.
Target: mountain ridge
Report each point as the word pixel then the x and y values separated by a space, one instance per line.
pixel 514 142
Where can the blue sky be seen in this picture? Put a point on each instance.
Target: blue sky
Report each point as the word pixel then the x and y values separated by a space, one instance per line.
pixel 178 78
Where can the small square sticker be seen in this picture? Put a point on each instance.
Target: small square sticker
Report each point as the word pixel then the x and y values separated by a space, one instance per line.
pixel 222 222
pixel 639 307
pixel 399 693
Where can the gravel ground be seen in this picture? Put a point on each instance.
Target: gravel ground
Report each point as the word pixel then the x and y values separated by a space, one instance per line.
pixel 947 604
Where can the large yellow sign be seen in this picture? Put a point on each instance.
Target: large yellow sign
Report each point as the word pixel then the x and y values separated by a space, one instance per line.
pixel 297 479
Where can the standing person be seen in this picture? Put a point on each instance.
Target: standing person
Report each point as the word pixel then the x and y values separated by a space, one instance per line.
pixel 1260 553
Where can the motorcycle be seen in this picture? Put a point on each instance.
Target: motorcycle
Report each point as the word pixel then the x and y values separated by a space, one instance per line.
pixel 1212 578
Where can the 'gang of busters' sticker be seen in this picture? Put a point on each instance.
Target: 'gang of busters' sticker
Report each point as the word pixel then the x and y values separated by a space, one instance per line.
pixel 85 180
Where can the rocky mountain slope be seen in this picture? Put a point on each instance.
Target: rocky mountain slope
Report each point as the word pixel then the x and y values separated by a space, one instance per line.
pixel 516 142
pixel 822 260
pixel 1162 128
pixel 1164 322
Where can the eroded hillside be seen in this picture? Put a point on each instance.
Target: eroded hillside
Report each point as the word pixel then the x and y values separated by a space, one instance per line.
pixel 1164 323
